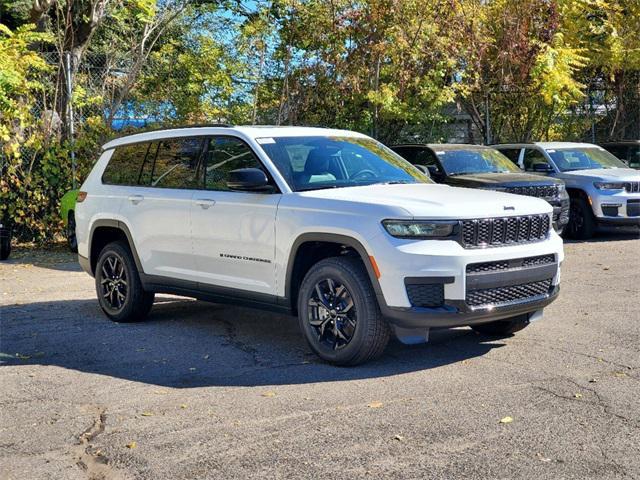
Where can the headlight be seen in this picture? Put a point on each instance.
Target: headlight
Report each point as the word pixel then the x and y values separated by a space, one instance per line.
pixel 561 187
pixel 419 229
pixel 609 185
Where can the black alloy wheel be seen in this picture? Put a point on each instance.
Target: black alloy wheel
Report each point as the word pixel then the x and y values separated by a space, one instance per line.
pixel 113 282
pixel 120 292
pixel 332 314
pixel 72 241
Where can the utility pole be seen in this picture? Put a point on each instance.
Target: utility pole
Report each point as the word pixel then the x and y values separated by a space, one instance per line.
pixel 71 126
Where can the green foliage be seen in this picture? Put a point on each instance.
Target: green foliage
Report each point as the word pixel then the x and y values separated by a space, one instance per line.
pixel 399 70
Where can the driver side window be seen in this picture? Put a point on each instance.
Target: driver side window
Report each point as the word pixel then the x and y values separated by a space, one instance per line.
pixel 534 157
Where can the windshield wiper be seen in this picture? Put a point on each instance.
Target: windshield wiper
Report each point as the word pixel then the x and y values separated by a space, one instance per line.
pixel 392 182
pixel 318 187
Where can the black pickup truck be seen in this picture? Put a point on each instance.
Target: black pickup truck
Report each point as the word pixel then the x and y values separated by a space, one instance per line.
pixel 475 166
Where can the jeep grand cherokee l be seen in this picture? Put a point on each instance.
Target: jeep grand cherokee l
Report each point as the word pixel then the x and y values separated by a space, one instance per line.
pixel 476 166
pixel 603 190
pixel 328 225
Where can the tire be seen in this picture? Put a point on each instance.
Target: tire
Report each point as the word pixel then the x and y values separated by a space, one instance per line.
pixel 502 328
pixel 351 330
pixel 582 224
pixel 5 246
pixel 72 241
pixel 121 302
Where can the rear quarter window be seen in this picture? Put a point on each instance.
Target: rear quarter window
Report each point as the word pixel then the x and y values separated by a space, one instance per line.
pixel 125 164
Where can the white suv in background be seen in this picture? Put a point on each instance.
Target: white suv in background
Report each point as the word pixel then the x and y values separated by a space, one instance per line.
pixel 603 189
pixel 329 225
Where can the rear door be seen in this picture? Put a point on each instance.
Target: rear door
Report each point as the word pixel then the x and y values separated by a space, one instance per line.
pixel 233 232
pixel 158 208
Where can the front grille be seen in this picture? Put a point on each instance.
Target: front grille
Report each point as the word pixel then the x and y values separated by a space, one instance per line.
pixel 510 264
pixel 428 295
pixel 490 232
pixel 506 295
pixel 632 187
pixel 633 208
pixel 541 191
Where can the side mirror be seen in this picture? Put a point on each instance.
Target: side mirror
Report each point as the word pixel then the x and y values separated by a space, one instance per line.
pixel 423 169
pixel 542 168
pixel 248 180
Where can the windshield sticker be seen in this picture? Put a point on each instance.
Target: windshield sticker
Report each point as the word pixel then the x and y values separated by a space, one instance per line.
pixel 266 140
pixel 551 151
pixel 440 152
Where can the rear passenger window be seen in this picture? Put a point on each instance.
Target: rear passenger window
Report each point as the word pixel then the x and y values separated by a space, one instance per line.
pixel 224 155
pixel 177 163
pixel 124 165
pixel 512 154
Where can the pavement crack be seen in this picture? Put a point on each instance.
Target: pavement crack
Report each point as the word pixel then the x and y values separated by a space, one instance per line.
pixel 231 336
pixel 600 402
pixel 91 459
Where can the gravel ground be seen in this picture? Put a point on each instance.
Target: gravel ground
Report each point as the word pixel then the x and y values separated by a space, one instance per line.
pixel 211 391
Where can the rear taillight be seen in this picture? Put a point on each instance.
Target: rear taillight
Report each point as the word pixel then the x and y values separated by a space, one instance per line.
pixel 81 197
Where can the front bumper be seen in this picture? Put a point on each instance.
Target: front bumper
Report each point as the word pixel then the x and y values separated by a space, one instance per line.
pixel 621 208
pixel 470 285
pixel 456 313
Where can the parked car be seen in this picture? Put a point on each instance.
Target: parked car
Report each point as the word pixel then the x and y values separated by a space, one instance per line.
pixel 5 240
pixel 628 151
pixel 603 190
pixel 68 215
pixel 475 166
pixel 329 225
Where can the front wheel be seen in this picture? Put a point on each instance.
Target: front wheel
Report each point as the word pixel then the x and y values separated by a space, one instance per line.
pixel 118 285
pixel 582 224
pixel 339 313
pixel 501 328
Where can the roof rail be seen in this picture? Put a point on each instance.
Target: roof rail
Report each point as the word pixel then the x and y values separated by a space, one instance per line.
pixel 197 125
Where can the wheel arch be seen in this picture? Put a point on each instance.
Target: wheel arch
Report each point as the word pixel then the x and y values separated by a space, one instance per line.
pixel 309 248
pixel 105 231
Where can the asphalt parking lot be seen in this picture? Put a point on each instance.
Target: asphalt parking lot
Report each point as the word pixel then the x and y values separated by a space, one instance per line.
pixel 211 391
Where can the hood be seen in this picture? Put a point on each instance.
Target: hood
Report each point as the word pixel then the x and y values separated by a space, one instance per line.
pixel 604 174
pixel 422 200
pixel 490 180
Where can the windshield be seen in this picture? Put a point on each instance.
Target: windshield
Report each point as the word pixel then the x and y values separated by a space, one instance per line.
pixel 584 159
pixel 313 163
pixel 461 162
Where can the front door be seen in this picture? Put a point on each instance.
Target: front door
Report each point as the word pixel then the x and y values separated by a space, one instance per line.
pixel 233 232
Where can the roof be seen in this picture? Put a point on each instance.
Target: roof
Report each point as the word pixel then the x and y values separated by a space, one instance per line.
pixel 621 142
pixel 445 146
pixel 251 131
pixel 548 145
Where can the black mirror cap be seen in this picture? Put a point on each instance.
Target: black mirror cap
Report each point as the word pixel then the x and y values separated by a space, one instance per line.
pixel 249 180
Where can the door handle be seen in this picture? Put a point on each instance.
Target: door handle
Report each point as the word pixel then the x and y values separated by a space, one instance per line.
pixel 135 199
pixel 205 202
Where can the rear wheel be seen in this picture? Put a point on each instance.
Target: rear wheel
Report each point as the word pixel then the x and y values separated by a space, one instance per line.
pixel 5 244
pixel 72 241
pixel 118 285
pixel 339 313
pixel 503 327
pixel 582 224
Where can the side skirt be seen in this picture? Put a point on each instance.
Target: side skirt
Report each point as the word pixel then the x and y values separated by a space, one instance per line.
pixel 215 294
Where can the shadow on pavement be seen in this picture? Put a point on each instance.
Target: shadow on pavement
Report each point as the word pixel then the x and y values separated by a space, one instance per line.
pixel 607 234
pixel 56 259
pixel 186 344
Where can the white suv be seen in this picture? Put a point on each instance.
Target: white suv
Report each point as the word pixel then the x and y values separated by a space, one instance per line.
pixel 327 224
